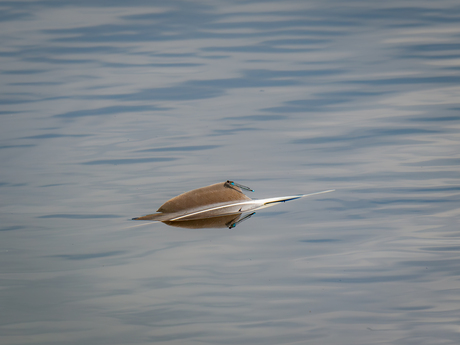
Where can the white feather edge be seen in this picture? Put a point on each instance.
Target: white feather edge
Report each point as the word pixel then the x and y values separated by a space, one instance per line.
pixel 245 206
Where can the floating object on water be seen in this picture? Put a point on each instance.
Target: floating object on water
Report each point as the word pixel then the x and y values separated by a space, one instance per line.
pixel 230 221
pixel 220 204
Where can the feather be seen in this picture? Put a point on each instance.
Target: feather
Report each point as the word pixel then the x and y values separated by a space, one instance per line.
pixel 217 200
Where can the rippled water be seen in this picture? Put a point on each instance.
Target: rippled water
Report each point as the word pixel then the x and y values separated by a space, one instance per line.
pixel 110 109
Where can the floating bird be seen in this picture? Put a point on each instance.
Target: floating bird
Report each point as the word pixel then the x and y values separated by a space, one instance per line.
pixel 225 201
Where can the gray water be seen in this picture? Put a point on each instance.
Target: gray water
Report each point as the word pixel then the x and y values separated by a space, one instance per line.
pixel 110 108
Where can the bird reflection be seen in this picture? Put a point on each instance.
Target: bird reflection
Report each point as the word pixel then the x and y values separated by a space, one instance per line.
pixel 216 206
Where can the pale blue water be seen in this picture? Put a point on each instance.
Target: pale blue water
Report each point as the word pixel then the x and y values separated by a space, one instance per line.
pixel 108 109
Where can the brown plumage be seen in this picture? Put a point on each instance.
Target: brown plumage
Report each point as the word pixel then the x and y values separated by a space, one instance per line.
pixel 213 194
pixel 219 193
pixel 217 200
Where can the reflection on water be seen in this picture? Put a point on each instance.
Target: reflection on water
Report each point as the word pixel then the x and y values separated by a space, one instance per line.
pixel 229 221
pixel 108 107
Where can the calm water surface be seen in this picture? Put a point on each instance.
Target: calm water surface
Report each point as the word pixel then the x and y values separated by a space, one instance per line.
pixel 108 110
